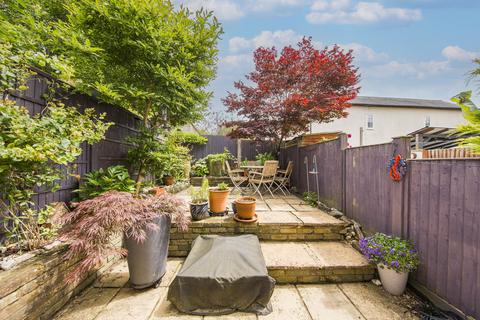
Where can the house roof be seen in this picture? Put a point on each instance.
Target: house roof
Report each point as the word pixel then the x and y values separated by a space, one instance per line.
pixel 403 103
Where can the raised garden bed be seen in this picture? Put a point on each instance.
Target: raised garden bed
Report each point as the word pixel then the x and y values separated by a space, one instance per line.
pixel 35 288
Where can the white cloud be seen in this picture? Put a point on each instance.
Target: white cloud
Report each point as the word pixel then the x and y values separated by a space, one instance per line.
pixel 279 39
pixel 223 9
pixel 457 53
pixel 236 61
pixel 344 12
pixel 363 53
pixel 418 70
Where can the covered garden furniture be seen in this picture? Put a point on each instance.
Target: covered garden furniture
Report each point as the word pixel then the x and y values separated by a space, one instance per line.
pixel 222 275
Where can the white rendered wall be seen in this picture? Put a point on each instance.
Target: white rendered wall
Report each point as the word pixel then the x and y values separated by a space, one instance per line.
pixel 388 122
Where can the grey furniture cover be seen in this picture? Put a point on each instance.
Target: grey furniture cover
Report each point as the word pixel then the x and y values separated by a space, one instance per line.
pixel 222 275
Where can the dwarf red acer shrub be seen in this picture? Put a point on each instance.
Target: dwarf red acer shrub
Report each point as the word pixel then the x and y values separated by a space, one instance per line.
pixel 291 90
pixel 90 227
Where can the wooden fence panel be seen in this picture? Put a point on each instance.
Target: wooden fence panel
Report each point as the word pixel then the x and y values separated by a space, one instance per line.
pixel 217 144
pixel 110 151
pixel 444 222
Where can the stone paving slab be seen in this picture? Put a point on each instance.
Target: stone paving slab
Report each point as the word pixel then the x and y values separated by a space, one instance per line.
pixel 327 301
pixel 288 255
pixel 330 253
pixel 88 304
pixel 278 206
pixel 131 304
pixel 278 217
pixel 167 311
pixel 317 217
pixel 374 303
pixel 116 277
pixel 287 305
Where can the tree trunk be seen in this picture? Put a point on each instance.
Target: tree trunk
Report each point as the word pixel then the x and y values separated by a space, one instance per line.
pixel 141 169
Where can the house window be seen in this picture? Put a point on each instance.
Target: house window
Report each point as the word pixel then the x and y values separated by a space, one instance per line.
pixel 370 121
pixel 427 121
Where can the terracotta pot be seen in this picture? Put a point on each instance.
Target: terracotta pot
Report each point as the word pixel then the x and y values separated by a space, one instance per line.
pixel 245 207
pixel 168 180
pixel 157 191
pixel 392 281
pixel 218 200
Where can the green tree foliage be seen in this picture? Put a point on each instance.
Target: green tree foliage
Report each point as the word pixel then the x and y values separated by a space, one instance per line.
pixel 471 113
pixel 152 59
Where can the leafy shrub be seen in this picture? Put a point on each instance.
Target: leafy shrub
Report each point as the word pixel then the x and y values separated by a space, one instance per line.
pixel 262 157
pixel 90 227
pixel 216 162
pixel 188 138
pixel 222 186
pixel 471 113
pixel 112 178
pixel 390 252
pixel 311 198
pixel 31 152
pixel 200 168
pixel 200 194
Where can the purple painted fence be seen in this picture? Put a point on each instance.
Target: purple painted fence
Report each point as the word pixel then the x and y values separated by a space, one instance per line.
pixel 436 205
pixel 217 143
pixel 110 151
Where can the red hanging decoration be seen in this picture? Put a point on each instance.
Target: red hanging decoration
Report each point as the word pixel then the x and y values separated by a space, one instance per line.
pixel 397 168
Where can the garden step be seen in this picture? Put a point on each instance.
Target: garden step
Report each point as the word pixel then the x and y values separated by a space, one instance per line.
pixel 315 262
pixel 292 225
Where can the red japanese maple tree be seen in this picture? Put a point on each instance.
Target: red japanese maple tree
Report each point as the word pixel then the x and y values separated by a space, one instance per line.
pixel 291 90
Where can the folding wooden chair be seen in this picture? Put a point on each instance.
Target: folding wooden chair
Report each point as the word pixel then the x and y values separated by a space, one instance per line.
pixel 264 178
pixel 236 176
pixel 282 179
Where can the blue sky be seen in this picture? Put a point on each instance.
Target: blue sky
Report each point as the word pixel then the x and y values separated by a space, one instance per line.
pixel 403 48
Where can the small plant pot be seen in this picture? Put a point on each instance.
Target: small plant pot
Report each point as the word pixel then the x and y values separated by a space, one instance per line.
pixel 168 180
pixel 199 211
pixel 245 207
pixel 218 200
pixel 392 281
pixel 234 207
pixel 157 191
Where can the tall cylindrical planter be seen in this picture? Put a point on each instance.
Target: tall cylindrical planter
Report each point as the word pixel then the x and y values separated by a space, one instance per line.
pixel 147 261
pixel 392 281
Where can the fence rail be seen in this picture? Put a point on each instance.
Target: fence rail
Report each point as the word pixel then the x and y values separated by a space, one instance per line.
pixel 436 205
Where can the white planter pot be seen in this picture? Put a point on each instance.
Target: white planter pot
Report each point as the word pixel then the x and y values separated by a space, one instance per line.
pixel 392 281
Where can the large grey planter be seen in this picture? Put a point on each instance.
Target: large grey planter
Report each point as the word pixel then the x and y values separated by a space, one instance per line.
pixel 147 261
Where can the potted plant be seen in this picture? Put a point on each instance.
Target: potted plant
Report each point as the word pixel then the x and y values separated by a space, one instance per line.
pixel 144 223
pixel 245 207
pixel 394 258
pixel 217 198
pixel 199 202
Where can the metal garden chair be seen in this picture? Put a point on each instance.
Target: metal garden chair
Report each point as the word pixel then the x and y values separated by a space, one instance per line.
pixel 264 178
pixel 236 176
pixel 282 179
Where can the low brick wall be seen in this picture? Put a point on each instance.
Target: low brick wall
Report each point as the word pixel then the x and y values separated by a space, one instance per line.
pixel 35 289
pixel 180 242
pixel 212 181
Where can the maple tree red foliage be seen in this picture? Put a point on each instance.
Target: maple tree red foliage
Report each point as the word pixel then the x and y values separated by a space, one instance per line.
pixel 291 90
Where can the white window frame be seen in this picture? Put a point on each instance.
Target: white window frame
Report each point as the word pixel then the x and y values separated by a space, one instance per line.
pixel 428 121
pixel 367 121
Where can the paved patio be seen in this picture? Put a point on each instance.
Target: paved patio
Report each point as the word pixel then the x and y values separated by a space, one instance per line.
pixel 303 262
pixel 111 298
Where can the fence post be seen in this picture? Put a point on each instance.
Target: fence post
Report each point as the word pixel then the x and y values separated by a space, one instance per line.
pixel 239 151
pixel 401 145
pixel 343 145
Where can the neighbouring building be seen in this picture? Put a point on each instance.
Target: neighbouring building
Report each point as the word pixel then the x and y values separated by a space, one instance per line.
pixel 374 120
